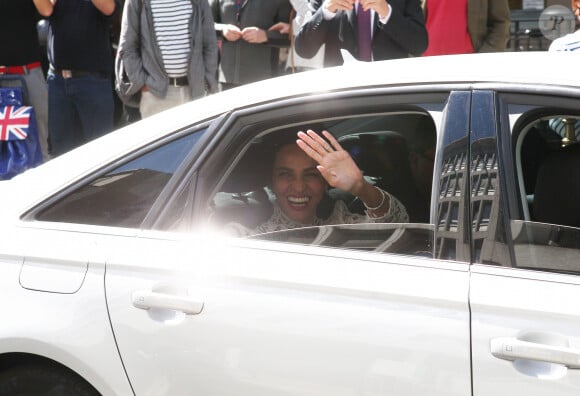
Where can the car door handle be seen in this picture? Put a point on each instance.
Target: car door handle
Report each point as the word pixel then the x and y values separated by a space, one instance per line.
pixel 510 348
pixel 145 299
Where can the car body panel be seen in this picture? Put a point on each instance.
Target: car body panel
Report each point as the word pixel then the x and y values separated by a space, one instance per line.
pixel 525 306
pixel 306 322
pixel 51 320
pixel 524 323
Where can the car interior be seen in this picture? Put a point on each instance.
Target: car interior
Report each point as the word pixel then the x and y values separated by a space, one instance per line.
pixel 379 144
pixel 547 157
pixel 548 166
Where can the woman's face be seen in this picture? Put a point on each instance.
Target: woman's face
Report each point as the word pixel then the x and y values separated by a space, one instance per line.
pixel 297 184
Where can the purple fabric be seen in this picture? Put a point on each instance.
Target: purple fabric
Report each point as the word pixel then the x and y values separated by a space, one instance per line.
pixel 364 33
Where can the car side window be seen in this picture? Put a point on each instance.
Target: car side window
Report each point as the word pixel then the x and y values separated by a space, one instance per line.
pixel 395 151
pixel 122 196
pixel 546 155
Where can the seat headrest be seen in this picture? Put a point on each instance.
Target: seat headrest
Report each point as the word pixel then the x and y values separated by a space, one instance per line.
pixel 557 191
pixel 377 153
pixel 251 173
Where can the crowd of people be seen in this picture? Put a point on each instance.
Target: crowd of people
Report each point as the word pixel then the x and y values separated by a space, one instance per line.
pixel 150 55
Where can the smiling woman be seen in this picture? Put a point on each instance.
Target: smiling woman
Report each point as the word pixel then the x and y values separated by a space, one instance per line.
pixel 298 185
pixel 301 173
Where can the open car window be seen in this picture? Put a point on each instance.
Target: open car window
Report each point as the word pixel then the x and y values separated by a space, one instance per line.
pixel 395 151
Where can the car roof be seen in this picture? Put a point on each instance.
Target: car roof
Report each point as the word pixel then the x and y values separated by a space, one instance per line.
pixel 537 68
pixel 545 68
pixel 556 69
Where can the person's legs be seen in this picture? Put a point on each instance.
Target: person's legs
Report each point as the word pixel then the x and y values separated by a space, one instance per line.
pixel 61 116
pixel 38 93
pixel 151 104
pixel 148 104
pixel 94 103
pixel 225 86
pixel 131 114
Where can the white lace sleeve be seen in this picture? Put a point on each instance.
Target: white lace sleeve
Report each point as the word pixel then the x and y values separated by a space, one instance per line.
pixel 341 215
pixel 397 212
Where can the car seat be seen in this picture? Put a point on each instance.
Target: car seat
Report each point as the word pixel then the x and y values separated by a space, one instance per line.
pixel 383 157
pixel 243 197
pixel 557 189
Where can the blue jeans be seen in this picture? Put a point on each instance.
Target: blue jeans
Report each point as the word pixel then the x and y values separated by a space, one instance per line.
pixel 80 109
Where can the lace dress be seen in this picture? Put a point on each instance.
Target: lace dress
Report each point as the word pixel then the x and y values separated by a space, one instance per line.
pixel 340 215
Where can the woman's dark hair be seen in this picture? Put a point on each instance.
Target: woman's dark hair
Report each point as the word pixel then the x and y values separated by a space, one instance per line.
pixel 273 142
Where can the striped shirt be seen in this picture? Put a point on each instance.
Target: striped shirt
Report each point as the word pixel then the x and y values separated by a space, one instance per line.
pixel 171 19
pixel 569 42
pixel 558 126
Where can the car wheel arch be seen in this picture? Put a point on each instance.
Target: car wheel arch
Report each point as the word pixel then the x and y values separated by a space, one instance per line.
pixel 14 362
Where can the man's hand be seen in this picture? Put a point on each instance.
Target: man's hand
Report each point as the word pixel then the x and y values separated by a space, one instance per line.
pixel 231 33
pixel 254 35
pixel 338 5
pixel 107 7
pixel 44 7
pixel 282 27
pixel 381 7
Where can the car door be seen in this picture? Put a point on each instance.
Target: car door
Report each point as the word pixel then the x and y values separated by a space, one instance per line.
pixel 55 269
pixel 203 313
pixel 56 259
pixel 266 318
pixel 525 284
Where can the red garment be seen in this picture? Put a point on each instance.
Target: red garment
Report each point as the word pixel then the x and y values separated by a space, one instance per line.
pixel 447 28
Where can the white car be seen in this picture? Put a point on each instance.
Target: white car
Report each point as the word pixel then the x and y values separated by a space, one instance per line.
pixel 116 277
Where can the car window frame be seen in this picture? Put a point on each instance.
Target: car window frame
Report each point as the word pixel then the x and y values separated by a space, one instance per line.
pixel 517 109
pixel 186 166
pixel 243 120
pixel 238 130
